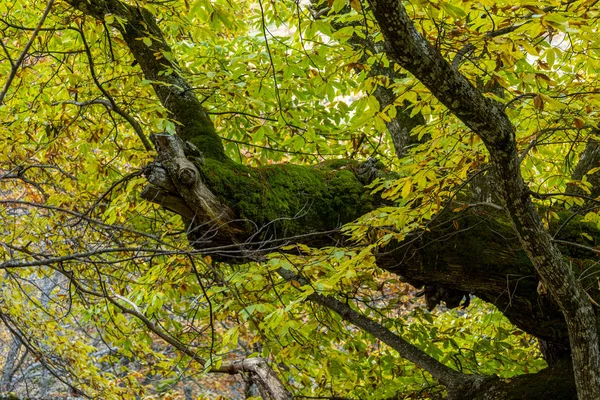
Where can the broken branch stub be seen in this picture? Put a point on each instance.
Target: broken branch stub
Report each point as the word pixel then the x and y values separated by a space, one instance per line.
pixel 264 375
pixel 185 178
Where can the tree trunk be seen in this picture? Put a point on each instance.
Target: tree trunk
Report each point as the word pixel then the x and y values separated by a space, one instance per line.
pixel 8 369
pixel 487 119
pixel 235 211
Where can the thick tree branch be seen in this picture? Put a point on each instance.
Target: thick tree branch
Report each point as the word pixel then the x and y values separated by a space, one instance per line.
pixel 268 381
pixel 446 375
pixel 174 92
pixel 588 160
pixel 488 120
pixel 186 181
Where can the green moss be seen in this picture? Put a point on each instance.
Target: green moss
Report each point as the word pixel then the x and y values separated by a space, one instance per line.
pixel 205 138
pixel 196 126
pixel 481 239
pixel 349 194
pixel 287 200
pixel 210 145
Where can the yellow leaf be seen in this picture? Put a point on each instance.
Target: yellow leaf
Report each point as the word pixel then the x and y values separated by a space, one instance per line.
pixel 588 237
pixel 406 189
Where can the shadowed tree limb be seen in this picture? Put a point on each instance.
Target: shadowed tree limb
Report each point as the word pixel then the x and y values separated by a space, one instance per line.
pixel 446 375
pixel 280 201
pixel 488 120
pixel 589 159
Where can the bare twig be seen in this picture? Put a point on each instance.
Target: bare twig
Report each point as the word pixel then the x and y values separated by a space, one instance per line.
pixel 113 104
pixel 17 64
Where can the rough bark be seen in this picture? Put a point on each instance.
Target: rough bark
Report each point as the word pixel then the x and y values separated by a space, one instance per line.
pixel 487 119
pixel 8 369
pixel 186 182
pixel 555 382
pixel 269 384
pixel 401 126
pixel 249 209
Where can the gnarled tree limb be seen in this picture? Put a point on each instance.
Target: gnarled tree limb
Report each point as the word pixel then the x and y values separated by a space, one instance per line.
pixel 488 120
pixel 282 201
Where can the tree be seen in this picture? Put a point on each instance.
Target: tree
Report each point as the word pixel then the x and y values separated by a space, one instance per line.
pixel 482 103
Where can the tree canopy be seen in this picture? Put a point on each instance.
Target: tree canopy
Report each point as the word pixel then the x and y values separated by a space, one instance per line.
pixel 205 198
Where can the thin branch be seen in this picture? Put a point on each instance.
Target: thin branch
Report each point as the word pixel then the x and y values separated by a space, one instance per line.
pixel 505 30
pixel 439 371
pixel 542 196
pixel 17 64
pixel 124 179
pixel 581 246
pixel 12 63
pixel 182 347
pixel 113 104
pixel 514 27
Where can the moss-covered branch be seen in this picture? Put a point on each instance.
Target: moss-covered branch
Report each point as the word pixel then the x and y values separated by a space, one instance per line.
pixel 270 205
pixel 288 200
pixel 476 251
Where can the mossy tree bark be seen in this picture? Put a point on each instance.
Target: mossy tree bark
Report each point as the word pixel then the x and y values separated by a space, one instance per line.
pixel 496 255
pixel 489 121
